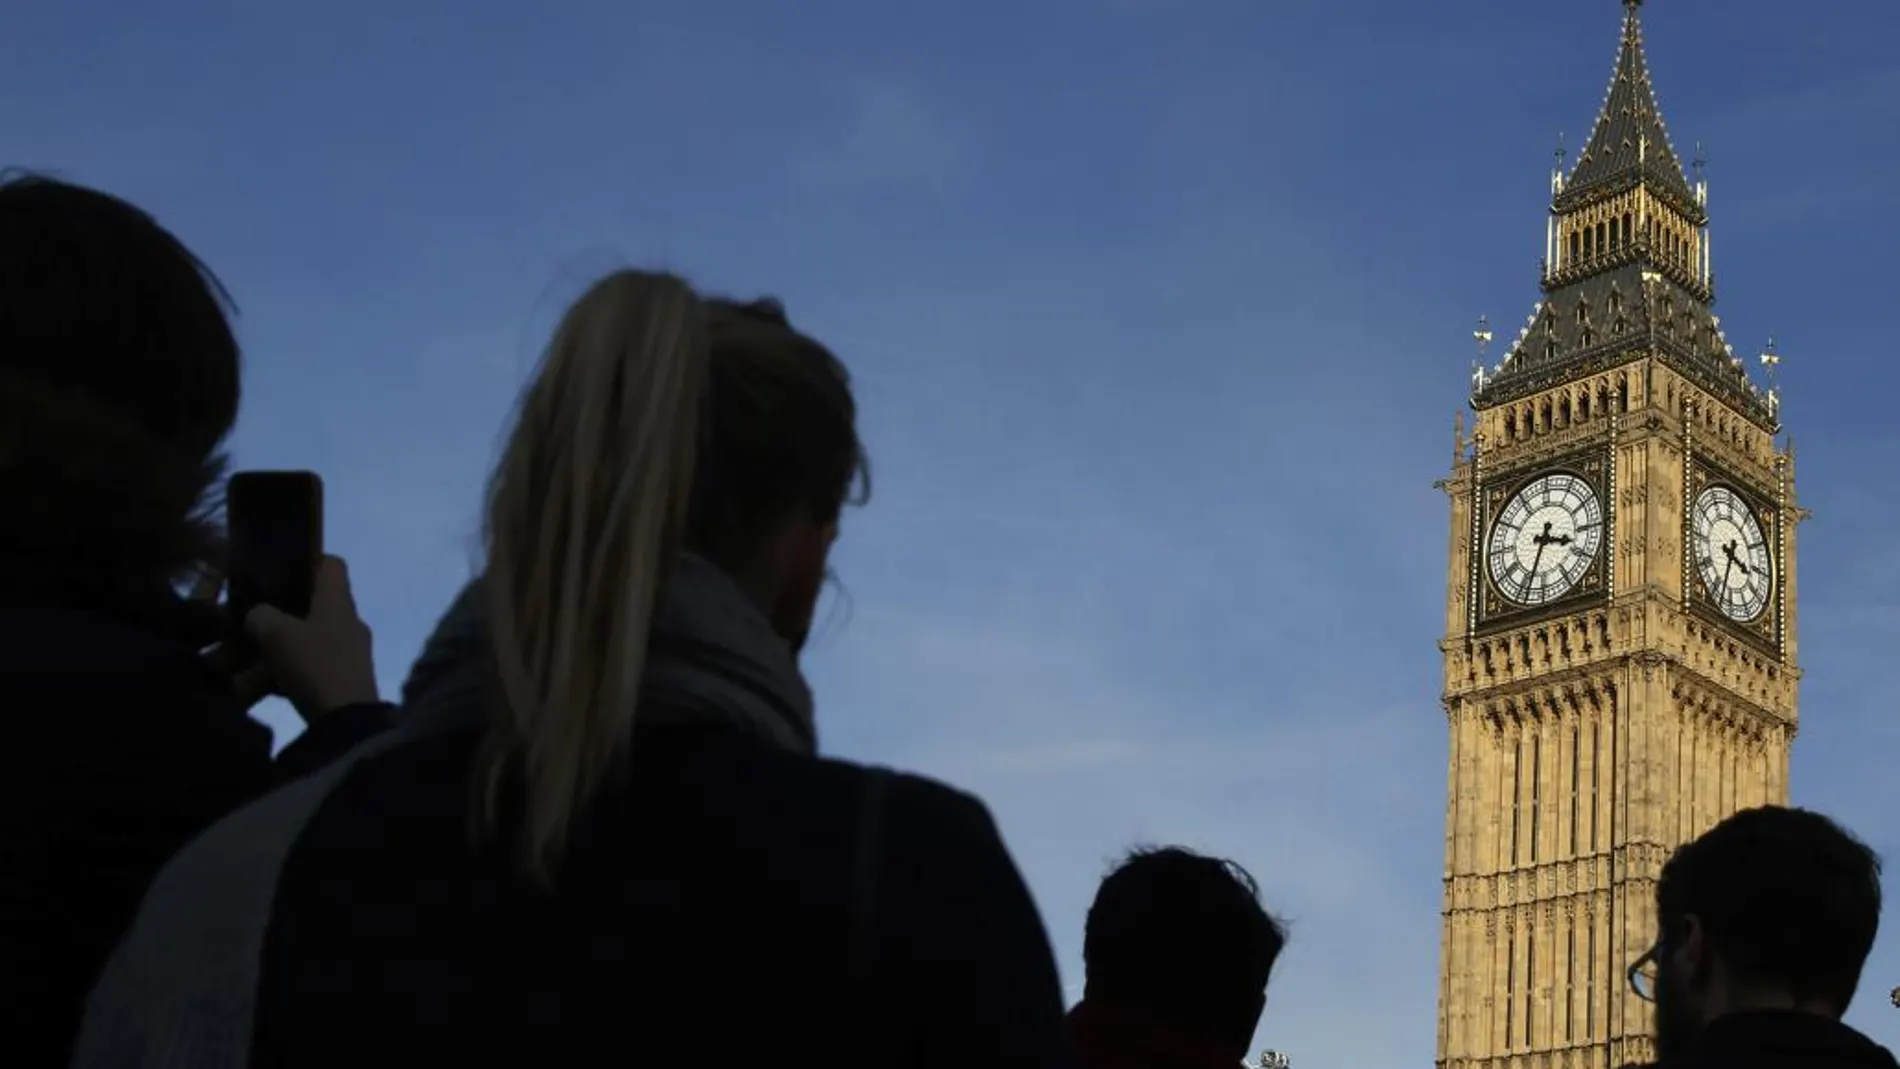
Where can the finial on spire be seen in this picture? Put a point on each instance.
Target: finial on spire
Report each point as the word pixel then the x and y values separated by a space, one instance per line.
pixel 1483 337
pixel 1701 161
pixel 1771 360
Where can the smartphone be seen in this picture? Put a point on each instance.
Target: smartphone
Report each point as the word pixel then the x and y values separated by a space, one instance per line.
pixel 275 519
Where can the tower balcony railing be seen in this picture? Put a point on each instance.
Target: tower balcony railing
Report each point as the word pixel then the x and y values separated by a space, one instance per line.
pixel 1638 250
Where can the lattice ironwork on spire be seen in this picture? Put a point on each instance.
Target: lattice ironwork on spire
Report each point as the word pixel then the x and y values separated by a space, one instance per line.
pixel 1630 142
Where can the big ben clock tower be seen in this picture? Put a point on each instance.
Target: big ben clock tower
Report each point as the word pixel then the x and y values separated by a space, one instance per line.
pixel 1620 659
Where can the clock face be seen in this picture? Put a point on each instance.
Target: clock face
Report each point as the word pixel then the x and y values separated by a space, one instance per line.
pixel 1546 539
pixel 1731 554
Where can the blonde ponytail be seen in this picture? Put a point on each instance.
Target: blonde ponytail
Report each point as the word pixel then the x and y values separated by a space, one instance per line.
pixel 585 517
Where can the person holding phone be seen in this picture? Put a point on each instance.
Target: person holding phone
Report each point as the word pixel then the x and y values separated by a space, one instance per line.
pixel 603 832
pixel 119 379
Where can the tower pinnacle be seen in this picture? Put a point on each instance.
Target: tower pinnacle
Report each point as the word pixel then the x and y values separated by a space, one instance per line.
pixel 1626 271
pixel 1629 142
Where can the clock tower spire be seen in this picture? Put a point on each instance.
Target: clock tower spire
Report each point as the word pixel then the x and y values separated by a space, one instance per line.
pixel 1620 639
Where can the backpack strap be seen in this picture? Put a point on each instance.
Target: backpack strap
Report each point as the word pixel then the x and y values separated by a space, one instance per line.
pixel 181 989
pixel 867 866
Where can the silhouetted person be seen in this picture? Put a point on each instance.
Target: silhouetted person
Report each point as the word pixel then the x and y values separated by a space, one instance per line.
pixel 1177 951
pixel 118 381
pixel 1764 924
pixel 602 834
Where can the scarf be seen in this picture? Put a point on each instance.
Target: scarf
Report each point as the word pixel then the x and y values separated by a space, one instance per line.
pixel 182 988
pixel 712 657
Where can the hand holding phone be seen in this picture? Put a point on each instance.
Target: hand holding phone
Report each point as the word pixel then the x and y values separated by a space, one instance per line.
pixel 325 660
pixel 288 603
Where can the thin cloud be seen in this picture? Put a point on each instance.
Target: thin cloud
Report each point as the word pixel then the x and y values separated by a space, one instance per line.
pixel 887 137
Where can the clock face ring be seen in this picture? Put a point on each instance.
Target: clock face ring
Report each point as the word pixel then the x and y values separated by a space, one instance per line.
pixel 1731 553
pixel 1545 539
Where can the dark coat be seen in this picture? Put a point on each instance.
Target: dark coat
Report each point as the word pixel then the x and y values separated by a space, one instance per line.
pixel 1772 1039
pixel 120 745
pixel 703 916
pixel 1113 1037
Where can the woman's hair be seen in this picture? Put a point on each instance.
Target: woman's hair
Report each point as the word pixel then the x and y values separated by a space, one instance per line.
pixel 658 422
pixel 118 380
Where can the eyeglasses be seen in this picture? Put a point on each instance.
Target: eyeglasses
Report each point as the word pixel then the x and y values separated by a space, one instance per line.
pixel 1642 973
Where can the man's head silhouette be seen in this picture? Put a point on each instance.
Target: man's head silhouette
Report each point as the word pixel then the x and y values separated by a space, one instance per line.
pixel 119 380
pixel 101 300
pixel 1183 940
pixel 1773 908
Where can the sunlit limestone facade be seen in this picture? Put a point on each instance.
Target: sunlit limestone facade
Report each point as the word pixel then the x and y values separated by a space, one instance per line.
pixel 1620 635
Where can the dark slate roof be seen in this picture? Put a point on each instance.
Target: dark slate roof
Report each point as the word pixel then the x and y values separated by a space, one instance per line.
pixel 1615 316
pixel 1630 142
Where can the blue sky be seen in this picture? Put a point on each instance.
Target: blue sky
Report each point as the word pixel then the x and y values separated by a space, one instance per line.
pixel 1160 314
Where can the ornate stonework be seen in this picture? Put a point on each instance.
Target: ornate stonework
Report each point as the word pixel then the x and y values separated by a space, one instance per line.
pixel 1620 642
